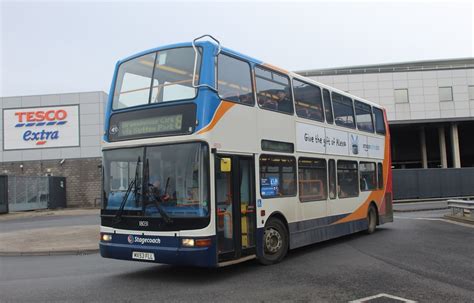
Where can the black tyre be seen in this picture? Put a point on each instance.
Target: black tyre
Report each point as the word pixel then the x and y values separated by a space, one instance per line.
pixel 275 242
pixel 371 220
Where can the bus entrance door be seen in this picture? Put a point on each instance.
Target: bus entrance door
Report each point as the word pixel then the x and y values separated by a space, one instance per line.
pixel 235 196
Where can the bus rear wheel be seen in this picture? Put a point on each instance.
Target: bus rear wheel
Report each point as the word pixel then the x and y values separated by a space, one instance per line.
pixel 371 220
pixel 275 242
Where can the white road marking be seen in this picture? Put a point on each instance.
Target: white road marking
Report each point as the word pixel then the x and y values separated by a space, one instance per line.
pixel 382 296
pixel 437 219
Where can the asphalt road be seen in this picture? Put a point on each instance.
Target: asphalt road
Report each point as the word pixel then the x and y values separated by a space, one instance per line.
pixel 426 260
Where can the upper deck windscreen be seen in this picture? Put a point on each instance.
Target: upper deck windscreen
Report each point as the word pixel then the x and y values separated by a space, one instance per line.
pixel 161 76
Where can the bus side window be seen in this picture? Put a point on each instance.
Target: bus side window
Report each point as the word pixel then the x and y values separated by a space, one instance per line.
pixel 308 101
pixel 277 176
pixel 379 121
pixel 380 175
pixel 328 106
pixel 332 179
pixel 347 179
pixel 364 117
pixel 368 177
pixel 235 82
pixel 343 110
pixel 273 91
pixel 312 179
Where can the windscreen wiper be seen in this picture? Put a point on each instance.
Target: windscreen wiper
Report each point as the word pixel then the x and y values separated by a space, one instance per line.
pixel 157 199
pixel 154 197
pixel 133 182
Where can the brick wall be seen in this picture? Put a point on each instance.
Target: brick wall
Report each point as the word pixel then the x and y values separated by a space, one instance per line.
pixel 83 177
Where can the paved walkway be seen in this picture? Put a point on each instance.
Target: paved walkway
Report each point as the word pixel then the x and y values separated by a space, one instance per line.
pixel 69 231
pixel 420 206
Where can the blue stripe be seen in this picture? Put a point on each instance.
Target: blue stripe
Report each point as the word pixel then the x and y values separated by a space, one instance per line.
pixel 19 124
pixel 51 123
pixel 30 124
pixel 61 122
pixel 40 123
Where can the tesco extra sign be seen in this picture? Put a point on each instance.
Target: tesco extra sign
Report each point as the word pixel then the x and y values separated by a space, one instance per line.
pixel 40 127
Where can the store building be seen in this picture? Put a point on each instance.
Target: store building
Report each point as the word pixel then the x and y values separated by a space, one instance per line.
pixel 55 135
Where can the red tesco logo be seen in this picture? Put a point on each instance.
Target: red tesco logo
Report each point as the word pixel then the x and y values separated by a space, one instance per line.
pixel 39 116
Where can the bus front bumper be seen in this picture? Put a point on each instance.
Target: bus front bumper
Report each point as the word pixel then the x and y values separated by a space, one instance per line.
pixel 166 254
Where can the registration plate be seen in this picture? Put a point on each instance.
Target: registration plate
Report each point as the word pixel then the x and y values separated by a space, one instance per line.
pixel 143 256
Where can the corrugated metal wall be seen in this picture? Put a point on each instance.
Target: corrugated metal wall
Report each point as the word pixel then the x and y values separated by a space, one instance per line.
pixel 433 183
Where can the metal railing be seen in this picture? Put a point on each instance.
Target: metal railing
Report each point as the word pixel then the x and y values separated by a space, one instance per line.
pixel 461 207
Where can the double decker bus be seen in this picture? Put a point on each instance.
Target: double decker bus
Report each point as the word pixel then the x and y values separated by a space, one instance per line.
pixel 211 158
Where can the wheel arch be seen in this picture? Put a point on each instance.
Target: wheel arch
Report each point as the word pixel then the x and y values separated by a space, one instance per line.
pixel 372 203
pixel 278 215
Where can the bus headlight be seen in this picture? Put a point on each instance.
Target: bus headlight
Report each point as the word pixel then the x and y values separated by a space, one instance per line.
pixel 106 237
pixel 196 242
pixel 187 242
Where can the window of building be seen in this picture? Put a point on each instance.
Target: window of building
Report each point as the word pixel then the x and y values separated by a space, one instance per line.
pixel 308 101
pixel 368 177
pixel 277 176
pixel 312 179
pixel 235 82
pixel 446 93
pixel 332 179
pixel 471 92
pixel 273 91
pixel 364 117
pixel 328 106
pixel 379 121
pixel 380 175
pixel 401 95
pixel 347 179
pixel 343 110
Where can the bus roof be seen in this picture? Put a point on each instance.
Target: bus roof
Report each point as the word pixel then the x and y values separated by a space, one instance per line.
pixel 208 44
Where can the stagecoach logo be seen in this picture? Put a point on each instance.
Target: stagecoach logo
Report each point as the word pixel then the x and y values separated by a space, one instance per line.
pixel 136 239
pixel 114 129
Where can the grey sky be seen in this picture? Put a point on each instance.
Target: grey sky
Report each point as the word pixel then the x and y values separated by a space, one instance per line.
pixel 54 47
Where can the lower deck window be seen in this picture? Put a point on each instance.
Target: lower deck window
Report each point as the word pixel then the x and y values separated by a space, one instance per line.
pixel 312 179
pixel 347 179
pixel 277 176
pixel 368 178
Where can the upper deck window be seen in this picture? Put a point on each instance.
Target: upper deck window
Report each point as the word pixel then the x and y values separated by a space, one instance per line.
pixel 343 110
pixel 273 91
pixel 308 101
pixel 235 82
pixel 156 77
pixel 328 106
pixel 379 121
pixel 364 117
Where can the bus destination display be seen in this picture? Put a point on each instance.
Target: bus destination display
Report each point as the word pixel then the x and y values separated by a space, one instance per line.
pixel 163 124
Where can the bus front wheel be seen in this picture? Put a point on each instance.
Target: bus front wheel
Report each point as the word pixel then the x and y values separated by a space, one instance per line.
pixel 371 220
pixel 275 242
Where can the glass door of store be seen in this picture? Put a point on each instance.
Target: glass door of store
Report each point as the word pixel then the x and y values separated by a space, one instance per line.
pixel 235 196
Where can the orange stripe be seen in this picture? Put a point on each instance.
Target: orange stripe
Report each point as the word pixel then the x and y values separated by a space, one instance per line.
pixel 377 196
pixel 221 110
